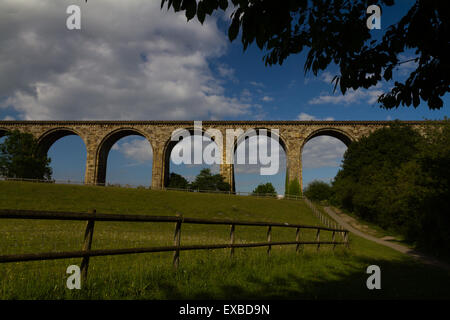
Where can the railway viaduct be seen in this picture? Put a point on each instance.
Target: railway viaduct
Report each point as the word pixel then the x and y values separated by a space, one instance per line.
pixel 100 136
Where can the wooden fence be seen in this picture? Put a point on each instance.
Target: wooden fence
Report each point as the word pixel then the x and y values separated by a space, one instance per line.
pixel 324 218
pixel 92 216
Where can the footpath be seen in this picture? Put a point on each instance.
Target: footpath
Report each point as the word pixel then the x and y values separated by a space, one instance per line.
pixel 401 248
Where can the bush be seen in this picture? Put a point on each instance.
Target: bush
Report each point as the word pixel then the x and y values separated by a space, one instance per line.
pixel 177 181
pixel 318 191
pixel 266 189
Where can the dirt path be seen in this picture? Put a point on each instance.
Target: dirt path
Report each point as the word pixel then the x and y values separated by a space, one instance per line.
pixel 403 249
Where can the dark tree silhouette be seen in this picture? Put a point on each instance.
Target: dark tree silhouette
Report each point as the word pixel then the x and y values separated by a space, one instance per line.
pixel 265 189
pixel 177 181
pixel 21 157
pixel 335 31
pixel 318 191
pixel 205 180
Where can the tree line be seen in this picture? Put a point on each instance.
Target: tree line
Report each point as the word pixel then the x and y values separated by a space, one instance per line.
pixel 207 181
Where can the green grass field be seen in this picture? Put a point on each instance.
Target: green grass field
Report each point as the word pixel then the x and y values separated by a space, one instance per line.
pixel 208 274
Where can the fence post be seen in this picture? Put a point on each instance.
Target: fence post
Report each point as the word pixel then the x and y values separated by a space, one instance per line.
pixel 177 242
pixel 346 239
pixel 87 245
pixel 318 239
pixel 232 240
pixel 269 239
pixel 297 238
pixel 332 239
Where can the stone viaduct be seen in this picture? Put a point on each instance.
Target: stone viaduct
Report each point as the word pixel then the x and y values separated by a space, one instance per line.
pixel 100 136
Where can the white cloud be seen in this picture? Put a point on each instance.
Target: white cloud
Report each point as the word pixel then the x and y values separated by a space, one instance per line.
pixel 138 150
pixel 351 97
pixel 326 77
pixel 323 151
pixel 267 99
pixel 226 72
pixel 308 117
pixel 257 84
pixel 131 60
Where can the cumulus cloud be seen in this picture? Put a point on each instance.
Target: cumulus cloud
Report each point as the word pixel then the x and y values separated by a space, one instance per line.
pixel 323 151
pixel 226 72
pixel 351 97
pixel 327 77
pixel 267 99
pixel 137 149
pixel 131 60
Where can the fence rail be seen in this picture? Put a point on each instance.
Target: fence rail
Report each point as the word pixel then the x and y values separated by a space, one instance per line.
pixel 93 216
pixel 325 219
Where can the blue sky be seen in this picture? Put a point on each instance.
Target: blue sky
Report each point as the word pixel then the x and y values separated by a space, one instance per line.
pixel 151 64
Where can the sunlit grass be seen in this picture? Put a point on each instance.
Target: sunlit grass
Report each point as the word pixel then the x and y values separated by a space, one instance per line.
pixel 212 274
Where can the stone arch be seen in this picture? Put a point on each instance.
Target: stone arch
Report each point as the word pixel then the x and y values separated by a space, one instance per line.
pixel 337 133
pixel 167 151
pixel 105 146
pixel 3 132
pixel 48 138
pixel 281 140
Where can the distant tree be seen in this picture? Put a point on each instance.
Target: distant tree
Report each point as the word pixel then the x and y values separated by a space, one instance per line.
pixel 177 181
pixel 335 32
pixel 318 191
pixel 21 157
pixel 265 188
pixel 207 181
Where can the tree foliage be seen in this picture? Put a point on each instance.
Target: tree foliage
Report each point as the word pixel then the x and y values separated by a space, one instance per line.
pixel 318 191
pixel 335 32
pixel 177 181
pixel 293 188
pixel 21 157
pixel 266 189
pixel 205 180
pixel 400 180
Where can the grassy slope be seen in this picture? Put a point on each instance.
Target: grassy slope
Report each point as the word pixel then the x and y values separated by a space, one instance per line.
pixel 202 274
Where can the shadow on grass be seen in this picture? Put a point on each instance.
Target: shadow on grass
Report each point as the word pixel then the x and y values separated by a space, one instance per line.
pixel 399 280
